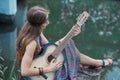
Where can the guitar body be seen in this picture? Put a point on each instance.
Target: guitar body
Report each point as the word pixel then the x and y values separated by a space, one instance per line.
pixel 42 61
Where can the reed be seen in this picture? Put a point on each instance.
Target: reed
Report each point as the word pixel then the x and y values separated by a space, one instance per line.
pixel 8 71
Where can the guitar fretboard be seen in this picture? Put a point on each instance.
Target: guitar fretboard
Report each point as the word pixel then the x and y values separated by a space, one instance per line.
pixel 80 20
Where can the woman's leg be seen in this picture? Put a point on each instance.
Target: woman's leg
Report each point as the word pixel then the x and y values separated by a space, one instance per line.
pixel 88 61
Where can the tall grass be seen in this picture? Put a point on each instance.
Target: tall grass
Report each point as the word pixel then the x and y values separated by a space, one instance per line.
pixel 8 71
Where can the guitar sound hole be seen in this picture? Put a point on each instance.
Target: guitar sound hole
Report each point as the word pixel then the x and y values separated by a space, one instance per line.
pixel 50 57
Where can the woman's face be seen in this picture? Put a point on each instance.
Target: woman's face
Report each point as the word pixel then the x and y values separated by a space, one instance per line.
pixel 45 24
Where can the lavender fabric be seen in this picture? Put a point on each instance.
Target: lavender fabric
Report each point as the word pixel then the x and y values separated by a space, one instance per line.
pixel 69 70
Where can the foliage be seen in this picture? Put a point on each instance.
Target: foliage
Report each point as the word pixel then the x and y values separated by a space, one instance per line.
pixel 8 73
pixel 3 69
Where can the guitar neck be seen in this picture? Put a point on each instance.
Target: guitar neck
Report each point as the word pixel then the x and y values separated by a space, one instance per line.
pixel 63 43
pixel 80 20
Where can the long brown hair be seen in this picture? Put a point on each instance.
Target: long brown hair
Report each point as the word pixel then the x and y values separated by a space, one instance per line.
pixel 36 16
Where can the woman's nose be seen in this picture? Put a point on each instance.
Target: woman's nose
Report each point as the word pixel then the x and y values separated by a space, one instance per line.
pixel 48 21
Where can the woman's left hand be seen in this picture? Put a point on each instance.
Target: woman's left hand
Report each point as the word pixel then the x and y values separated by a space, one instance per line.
pixel 77 30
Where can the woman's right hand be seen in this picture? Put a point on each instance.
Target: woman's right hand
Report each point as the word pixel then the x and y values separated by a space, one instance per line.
pixel 53 66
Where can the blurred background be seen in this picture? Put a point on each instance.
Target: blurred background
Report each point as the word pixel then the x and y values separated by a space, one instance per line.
pixel 99 37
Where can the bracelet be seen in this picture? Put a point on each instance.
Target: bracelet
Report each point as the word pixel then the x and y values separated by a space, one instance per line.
pixel 40 70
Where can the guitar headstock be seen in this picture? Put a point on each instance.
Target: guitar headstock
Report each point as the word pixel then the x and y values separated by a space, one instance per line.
pixel 82 18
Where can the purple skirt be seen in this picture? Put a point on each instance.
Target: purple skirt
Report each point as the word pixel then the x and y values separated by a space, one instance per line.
pixel 69 70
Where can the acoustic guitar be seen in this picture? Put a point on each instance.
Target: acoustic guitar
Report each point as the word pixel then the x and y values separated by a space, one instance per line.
pixel 53 50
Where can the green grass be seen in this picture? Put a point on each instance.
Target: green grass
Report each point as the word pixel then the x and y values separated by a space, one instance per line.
pixel 8 71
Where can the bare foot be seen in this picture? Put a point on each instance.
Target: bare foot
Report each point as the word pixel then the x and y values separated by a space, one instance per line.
pixel 105 63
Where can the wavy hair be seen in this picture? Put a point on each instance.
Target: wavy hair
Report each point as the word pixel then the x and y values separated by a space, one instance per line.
pixel 36 16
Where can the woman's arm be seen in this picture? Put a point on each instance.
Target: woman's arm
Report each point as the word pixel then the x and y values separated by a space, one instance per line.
pixel 27 59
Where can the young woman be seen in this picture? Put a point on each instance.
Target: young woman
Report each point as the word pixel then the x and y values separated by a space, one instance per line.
pixel 31 40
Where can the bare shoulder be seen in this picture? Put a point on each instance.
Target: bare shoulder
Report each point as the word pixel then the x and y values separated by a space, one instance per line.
pixel 32 45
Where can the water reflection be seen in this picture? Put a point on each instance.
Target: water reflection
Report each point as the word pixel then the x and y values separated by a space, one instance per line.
pixel 21 14
pixel 7 41
pixel 67 7
pixel 8 34
pixel 104 25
